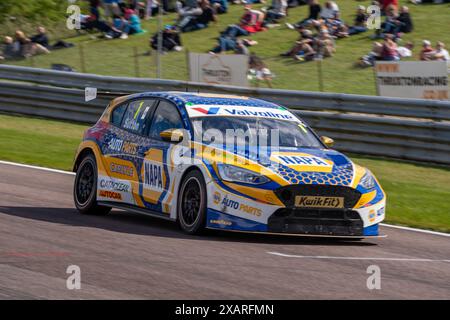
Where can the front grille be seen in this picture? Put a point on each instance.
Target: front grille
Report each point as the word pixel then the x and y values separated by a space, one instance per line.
pixel 343 222
pixel 287 194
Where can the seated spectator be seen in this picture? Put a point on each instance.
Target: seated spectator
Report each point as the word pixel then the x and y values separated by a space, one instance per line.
pixel 389 51
pixel 335 27
pixel 220 6
pixel 92 21
pixel 41 37
pixel 440 53
pixel 314 11
pixel 369 59
pixel 405 51
pixel 241 47
pixel 201 21
pixel 26 47
pixel 404 20
pixel 227 43
pixel 427 51
pixel 303 48
pixel 259 71
pixel 170 37
pixel 186 12
pixel 324 45
pixel 386 4
pixel 111 8
pixel 275 12
pixel 252 20
pixel 360 24
pixel 11 50
pixel 151 9
pixel 330 11
pixel 391 25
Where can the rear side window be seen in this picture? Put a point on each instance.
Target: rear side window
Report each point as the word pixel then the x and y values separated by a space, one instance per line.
pixel 117 114
pixel 136 114
pixel 166 117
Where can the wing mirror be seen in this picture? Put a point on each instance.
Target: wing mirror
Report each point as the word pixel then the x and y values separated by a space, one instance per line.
pixel 327 141
pixel 172 135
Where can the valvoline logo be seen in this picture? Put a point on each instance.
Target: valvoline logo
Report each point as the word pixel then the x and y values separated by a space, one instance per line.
pixel 244 111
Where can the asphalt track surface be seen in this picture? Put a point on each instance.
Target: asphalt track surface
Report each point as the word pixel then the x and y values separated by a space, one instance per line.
pixel 125 255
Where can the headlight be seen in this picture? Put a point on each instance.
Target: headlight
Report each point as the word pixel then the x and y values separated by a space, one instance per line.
pixel 368 181
pixel 232 173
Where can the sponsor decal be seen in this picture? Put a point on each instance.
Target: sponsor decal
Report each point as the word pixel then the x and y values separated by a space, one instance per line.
pixel 122 169
pixel 381 211
pixel 216 197
pixel 153 176
pixel 241 111
pixel 319 202
pixel 114 185
pixel 221 221
pixel 303 160
pixel 372 215
pixel 236 205
pixel 119 145
pixel 110 194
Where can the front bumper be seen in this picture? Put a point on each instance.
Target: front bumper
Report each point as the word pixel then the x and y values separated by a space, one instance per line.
pixel 230 211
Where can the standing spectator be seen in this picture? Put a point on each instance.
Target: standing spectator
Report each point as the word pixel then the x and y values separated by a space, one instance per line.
pixel 41 37
pixel 360 22
pixel 427 51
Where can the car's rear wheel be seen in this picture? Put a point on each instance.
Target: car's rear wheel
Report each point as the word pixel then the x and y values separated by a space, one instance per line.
pixel 192 203
pixel 85 188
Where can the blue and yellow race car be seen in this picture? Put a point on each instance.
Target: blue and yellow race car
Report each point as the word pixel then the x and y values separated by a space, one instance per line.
pixel 223 162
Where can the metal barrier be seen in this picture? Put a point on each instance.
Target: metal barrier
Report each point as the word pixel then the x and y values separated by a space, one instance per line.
pixel 393 127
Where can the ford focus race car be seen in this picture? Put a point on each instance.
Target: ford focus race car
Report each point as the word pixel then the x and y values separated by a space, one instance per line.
pixel 223 162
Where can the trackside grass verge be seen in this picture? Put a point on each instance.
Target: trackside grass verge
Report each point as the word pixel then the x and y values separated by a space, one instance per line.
pixel 417 193
pixel 116 57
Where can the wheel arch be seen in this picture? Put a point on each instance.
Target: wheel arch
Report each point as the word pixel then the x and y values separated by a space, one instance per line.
pixel 80 156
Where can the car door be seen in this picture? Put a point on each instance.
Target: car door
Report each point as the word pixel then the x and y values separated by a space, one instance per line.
pixel 124 148
pixel 158 174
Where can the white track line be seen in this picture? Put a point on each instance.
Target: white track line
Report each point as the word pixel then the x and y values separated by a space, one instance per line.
pixel 35 167
pixel 72 173
pixel 358 258
pixel 416 230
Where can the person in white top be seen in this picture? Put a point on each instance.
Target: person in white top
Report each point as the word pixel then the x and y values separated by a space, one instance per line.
pixel 441 53
pixel 330 10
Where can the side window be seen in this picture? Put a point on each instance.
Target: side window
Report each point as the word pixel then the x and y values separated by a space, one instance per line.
pixel 117 114
pixel 165 117
pixel 136 115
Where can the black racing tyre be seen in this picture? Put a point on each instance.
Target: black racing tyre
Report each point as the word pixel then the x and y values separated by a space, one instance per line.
pixel 85 188
pixel 191 204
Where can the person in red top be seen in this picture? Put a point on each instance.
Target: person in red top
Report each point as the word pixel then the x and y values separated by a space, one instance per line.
pixel 426 53
pixel 386 3
pixel 252 20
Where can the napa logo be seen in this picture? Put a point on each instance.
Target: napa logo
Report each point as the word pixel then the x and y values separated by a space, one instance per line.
pixel 302 160
pixel 153 176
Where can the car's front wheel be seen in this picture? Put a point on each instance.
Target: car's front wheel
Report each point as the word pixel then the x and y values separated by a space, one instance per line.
pixel 85 188
pixel 192 203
